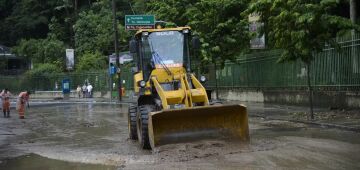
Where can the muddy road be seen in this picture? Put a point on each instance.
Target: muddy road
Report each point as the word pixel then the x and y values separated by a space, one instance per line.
pixel 95 136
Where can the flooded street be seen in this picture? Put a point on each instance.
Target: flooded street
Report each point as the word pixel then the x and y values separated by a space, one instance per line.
pixel 95 136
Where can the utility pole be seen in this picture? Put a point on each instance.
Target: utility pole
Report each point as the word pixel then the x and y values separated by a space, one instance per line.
pixel 353 11
pixel 116 44
pixel 353 18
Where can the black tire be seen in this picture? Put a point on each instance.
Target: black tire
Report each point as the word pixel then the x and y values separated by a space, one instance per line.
pixel 132 113
pixel 142 125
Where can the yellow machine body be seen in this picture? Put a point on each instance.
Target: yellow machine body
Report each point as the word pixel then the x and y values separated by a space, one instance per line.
pixel 186 112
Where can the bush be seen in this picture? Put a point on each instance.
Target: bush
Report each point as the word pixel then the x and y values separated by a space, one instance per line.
pixel 41 51
pixel 42 77
pixel 91 62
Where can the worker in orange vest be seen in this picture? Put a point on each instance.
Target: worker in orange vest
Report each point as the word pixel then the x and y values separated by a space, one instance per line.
pixel 23 99
pixel 5 96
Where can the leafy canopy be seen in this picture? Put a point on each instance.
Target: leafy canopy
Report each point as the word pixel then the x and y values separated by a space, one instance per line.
pixel 94 30
pixel 300 27
pixel 219 24
pixel 46 69
pixel 91 62
pixel 47 50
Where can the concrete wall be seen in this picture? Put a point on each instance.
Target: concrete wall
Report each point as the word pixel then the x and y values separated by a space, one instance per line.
pixel 334 99
pixel 249 96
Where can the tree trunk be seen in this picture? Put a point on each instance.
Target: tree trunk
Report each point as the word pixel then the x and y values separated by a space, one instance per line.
pixel 216 82
pixel 75 6
pixel 308 64
pixel 353 10
pixel 353 17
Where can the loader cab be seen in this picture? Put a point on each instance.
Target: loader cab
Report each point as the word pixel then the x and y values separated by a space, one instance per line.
pixel 159 48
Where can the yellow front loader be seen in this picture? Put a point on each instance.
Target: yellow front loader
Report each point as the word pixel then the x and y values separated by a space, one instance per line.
pixel 172 104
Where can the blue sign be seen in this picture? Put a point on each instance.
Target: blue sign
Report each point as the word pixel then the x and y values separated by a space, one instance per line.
pixel 66 86
pixel 112 70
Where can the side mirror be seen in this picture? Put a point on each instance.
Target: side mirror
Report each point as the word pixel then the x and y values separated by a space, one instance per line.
pixel 133 46
pixel 195 42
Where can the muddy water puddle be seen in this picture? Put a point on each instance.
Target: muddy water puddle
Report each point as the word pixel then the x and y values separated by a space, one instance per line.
pixel 36 162
pixel 92 134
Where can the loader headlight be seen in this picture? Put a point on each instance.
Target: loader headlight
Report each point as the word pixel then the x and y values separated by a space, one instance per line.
pixel 186 31
pixel 145 34
pixel 142 83
pixel 202 79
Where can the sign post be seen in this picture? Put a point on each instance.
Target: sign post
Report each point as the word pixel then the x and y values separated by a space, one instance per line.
pixel 112 71
pixel 69 59
pixel 135 22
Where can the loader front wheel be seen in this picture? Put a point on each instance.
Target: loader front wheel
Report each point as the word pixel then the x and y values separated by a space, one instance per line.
pixel 142 125
pixel 132 122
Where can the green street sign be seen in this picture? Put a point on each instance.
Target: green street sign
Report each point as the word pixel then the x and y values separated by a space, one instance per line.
pixel 135 22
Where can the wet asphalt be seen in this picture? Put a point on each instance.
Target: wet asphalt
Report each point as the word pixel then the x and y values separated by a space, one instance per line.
pixel 95 136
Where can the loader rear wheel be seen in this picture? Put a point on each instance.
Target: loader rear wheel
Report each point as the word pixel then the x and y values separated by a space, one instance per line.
pixel 132 122
pixel 142 125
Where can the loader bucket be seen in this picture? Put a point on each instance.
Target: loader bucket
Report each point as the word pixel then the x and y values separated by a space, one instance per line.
pixel 179 125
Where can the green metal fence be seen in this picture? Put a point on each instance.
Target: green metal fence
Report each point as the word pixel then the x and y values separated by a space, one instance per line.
pixel 330 70
pixel 50 82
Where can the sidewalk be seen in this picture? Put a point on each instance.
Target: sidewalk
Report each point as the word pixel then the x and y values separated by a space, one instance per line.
pixel 342 119
pixel 55 101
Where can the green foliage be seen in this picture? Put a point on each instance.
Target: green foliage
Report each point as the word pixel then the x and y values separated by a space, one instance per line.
pixel 40 73
pixel 91 62
pixel 171 10
pixel 94 30
pixel 300 27
pixel 57 30
pixel 222 29
pixel 42 51
pixel 28 19
pixel 41 69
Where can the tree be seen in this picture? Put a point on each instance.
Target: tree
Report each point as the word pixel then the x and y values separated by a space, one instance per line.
pixel 91 62
pixel 26 19
pixel 171 10
pixel 301 28
pixel 222 28
pixel 94 30
pixel 43 69
pixel 219 24
pixel 41 51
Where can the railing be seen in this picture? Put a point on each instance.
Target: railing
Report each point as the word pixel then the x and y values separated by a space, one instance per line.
pixel 48 82
pixel 330 70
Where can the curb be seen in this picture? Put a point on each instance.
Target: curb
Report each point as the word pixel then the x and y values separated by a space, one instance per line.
pixel 328 125
pixel 323 125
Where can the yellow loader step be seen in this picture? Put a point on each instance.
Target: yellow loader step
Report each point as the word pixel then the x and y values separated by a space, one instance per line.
pixel 178 125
